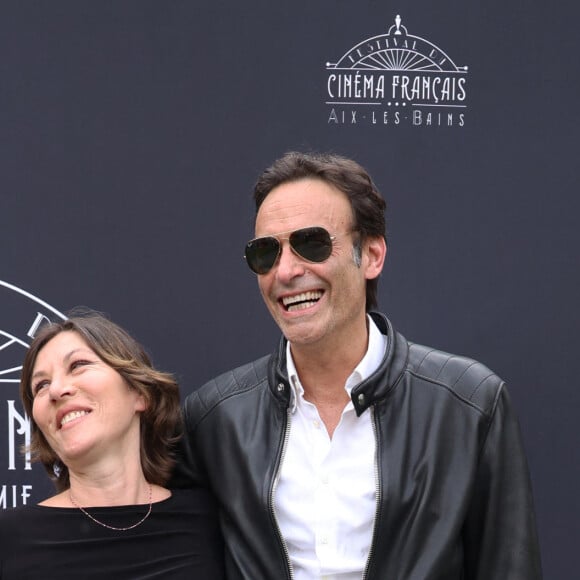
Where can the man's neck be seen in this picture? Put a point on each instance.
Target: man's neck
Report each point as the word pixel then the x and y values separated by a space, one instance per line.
pixel 324 370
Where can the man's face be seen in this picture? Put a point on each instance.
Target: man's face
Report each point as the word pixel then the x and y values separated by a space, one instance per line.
pixel 314 302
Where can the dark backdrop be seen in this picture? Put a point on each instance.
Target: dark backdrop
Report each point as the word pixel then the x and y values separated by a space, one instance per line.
pixel 132 133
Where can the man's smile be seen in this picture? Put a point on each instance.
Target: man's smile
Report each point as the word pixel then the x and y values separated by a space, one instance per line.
pixel 301 301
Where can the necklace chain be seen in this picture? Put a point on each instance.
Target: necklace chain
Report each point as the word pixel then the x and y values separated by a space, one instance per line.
pixel 73 501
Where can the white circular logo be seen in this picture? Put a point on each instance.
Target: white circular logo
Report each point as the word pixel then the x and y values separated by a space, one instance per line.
pixel 21 315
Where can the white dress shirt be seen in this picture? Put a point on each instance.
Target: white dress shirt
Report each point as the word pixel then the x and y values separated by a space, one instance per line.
pixel 325 497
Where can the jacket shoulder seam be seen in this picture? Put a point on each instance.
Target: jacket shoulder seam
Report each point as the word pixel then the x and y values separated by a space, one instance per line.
pixel 208 408
pixel 467 400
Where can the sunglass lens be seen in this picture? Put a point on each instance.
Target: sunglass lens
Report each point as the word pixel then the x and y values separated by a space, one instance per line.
pixel 313 244
pixel 261 254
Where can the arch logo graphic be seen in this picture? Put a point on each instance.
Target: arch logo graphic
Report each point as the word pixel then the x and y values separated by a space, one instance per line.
pixel 396 79
pixel 21 315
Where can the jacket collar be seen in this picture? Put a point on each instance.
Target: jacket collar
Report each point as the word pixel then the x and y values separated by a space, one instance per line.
pixel 368 392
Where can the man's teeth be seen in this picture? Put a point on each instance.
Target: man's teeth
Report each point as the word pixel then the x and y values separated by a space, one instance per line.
pixel 72 415
pixel 301 301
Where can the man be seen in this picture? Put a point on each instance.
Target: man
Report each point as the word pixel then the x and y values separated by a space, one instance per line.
pixel 350 452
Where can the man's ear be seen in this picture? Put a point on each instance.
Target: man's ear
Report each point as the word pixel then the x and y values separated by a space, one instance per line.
pixel 375 250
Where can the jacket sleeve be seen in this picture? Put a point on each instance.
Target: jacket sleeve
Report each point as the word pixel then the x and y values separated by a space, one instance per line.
pixel 189 470
pixel 500 534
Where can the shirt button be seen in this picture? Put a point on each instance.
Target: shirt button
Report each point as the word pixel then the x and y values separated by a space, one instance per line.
pixel 316 424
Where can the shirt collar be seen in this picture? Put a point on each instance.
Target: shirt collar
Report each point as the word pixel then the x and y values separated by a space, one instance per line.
pixel 364 369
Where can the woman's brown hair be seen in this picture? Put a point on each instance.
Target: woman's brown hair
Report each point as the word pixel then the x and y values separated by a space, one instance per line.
pixel 161 420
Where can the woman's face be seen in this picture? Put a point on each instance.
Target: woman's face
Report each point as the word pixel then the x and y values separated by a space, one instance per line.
pixel 84 408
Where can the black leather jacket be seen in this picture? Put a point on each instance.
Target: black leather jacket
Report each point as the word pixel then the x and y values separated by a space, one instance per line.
pixel 453 492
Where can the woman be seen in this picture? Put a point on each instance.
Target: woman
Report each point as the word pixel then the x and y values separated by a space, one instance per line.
pixel 103 423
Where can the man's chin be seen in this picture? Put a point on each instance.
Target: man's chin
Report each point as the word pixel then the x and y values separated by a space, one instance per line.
pixel 302 335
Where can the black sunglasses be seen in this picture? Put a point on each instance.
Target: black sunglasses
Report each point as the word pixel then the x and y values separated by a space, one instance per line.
pixel 313 244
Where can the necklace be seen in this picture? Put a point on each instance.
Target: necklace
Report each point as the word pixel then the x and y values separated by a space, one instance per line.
pixel 73 501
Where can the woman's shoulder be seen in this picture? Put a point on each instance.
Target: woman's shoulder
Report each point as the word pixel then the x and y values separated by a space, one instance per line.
pixel 23 522
pixel 188 500
pixel 35 514
pixel 19 514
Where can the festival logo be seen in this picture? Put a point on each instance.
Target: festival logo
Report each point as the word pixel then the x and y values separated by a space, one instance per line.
pixel 396 79
pixel 22 314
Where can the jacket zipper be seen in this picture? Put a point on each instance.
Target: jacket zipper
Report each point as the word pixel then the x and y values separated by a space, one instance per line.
pixel 273 491
pixel 378 494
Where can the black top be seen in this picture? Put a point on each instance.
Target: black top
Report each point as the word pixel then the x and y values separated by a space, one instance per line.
pixel 179 540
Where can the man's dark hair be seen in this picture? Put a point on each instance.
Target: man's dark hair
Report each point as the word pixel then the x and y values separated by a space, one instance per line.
pixel 346 175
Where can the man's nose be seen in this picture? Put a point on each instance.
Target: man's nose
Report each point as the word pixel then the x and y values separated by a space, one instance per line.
pixel 289 264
